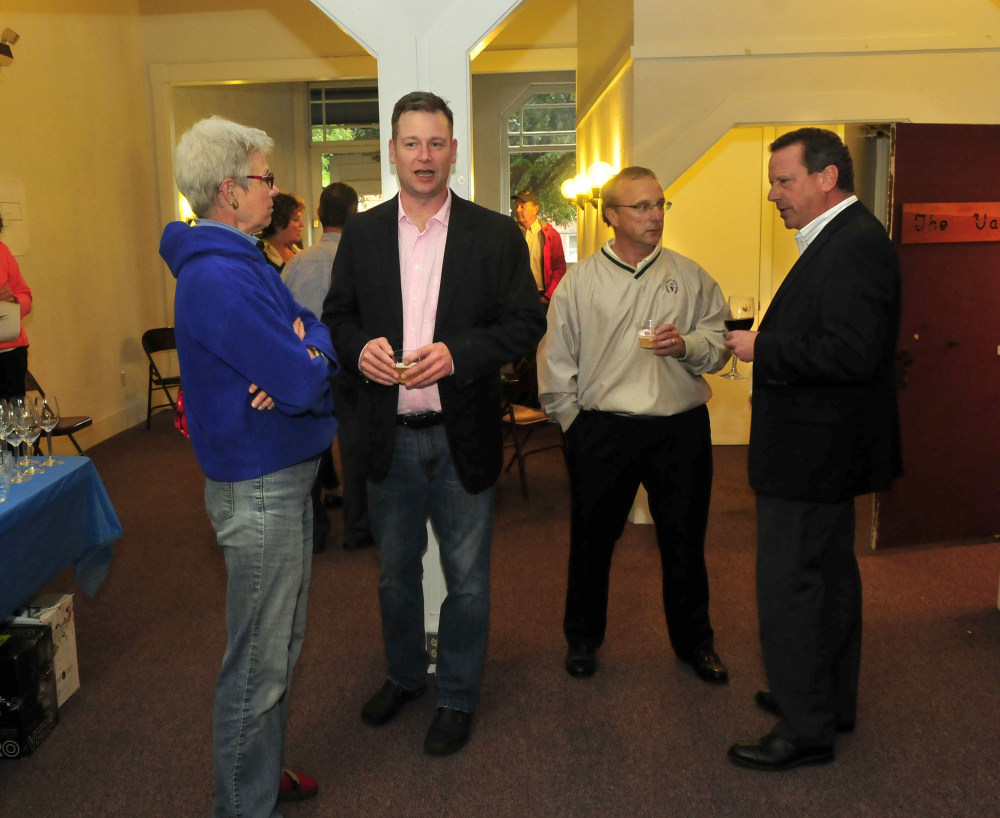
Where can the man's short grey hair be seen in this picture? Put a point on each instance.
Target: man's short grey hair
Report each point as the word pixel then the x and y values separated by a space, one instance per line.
pixel 210 151
pixel 609 193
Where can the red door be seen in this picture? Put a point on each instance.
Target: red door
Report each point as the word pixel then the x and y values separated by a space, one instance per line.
pixel 949 347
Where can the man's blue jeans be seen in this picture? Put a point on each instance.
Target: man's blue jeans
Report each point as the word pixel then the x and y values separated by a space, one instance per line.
pixel 422 480
pixel 264 526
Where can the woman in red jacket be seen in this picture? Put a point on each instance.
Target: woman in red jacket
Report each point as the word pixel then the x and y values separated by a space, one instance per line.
pixel 14 353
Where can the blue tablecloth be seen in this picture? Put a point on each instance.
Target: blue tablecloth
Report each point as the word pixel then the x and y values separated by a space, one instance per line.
pixel 61 518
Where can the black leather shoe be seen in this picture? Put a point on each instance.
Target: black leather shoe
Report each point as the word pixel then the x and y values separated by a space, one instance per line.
pixel 708 665
pixel 765 701
pixel 385 704
pixel 358 545
pixel 581 663
pixel 448 732
pixel 774 754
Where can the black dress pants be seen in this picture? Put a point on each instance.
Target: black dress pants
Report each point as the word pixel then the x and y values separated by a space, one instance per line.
pixel 326 474
pixel 609 456
pixel 809 608
pixel 357 528
pixel 13 366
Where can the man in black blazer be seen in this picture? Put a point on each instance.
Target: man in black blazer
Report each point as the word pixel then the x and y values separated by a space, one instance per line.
pixel 447 283
pixel 825 429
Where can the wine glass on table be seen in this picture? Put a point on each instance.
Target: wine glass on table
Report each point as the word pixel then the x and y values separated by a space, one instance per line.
pixel 741 316
pixel 6 460
pixel 17 403
pixel 5 424
pixel 32 431
pixel 15 436
pixel 47 410
pixel 6 471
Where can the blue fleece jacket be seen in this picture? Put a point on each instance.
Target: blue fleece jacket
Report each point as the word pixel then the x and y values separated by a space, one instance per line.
pixel 233 321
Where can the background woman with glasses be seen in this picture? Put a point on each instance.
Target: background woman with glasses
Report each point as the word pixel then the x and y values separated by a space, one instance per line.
pixel 283 235
pixel 13 353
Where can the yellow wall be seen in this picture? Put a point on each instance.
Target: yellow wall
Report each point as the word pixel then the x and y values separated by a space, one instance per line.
pixel 604 37
pixel 722 219
pixel 77 134
pixel 700 69
pixel 604 133
pixel 715 220
pixel 742 24
pixel 694 72
pixel 201 31
pixel 682 106
pixel 80 135
pixel 533 25
pixel 267 106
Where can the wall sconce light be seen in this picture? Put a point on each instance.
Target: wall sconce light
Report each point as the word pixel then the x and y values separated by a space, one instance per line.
pixel 586 187
pixel 568 190
pixel 583 189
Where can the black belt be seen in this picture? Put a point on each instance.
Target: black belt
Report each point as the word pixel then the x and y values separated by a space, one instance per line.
pixel 423 420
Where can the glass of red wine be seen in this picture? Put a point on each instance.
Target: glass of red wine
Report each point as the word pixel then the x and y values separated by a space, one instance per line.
pixel 741 316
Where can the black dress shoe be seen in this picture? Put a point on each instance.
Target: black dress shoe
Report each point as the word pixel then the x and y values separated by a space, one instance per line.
pixel 708 665
pixel 774 754
pixel 385 704
pixel 765 701
pixel 448 732
pixel 581 663
pixel 358 545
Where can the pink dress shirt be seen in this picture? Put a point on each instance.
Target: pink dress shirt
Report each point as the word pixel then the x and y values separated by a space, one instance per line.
pixel 420 258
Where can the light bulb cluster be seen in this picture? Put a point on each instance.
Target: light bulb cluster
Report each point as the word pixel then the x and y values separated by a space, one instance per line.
pixel 585 187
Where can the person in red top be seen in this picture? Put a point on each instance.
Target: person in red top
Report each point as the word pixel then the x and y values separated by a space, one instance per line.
pixel 548 262
pixel 13 354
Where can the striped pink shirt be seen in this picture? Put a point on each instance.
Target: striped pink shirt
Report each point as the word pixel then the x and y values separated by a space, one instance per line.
pixel 420 258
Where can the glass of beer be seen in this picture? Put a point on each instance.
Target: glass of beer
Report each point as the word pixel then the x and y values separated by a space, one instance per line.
pixel 645 329
pixel 400 356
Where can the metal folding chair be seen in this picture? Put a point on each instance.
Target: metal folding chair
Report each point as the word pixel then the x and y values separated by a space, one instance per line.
pixel 153 341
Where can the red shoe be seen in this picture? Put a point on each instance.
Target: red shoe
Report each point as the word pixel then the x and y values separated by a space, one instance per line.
pixel 296 786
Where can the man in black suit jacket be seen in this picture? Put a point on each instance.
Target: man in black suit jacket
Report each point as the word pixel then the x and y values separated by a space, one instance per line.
pixel 448 283
pixel 825 429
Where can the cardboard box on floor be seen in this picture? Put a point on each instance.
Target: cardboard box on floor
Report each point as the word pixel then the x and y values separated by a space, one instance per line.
pixel 28 706
pixel 56 611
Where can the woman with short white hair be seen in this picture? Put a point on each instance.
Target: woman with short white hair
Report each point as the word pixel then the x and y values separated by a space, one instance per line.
pixel 255 368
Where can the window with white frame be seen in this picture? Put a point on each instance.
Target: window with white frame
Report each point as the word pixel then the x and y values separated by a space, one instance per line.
pixel 540 152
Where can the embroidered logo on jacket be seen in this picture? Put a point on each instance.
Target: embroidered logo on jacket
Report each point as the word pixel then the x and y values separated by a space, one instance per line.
pixel 671 286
